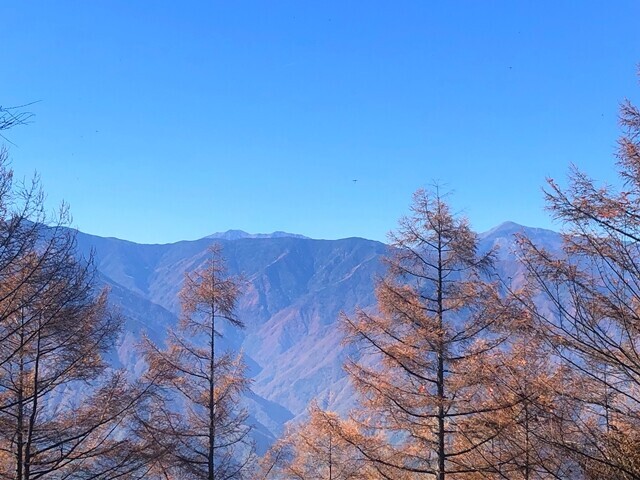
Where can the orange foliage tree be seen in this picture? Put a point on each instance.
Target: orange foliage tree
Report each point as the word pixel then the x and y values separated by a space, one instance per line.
pixel 196 424
pixel 428 353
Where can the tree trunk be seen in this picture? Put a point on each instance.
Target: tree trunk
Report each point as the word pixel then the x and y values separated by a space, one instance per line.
pixel 20 412
pixel 212 407
pixel 34 408
pixel 212 400
pixel 440 372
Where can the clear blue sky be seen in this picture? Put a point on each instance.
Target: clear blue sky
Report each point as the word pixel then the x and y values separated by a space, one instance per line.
pixel 160 121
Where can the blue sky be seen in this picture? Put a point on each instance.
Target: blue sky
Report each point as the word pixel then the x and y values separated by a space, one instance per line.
pixel 159 121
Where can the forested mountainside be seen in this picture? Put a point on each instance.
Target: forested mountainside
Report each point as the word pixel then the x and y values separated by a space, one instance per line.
pixel 295 289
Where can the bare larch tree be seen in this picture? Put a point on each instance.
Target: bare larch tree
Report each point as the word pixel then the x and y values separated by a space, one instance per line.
pixel 197 422
pixel 426 356
pixel 593 322
pixel 63 412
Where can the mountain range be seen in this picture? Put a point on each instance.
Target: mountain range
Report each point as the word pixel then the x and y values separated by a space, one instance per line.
pixel 295 289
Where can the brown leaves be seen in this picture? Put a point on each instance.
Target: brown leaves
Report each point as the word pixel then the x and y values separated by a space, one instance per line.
pixel 324 446
pixel 207 293
pixel 55 331
pixel 438 323
pixel 195 423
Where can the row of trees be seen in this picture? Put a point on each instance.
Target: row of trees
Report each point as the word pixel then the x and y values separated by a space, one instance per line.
pixel 463 375
pixel 54 332
pixel 459 374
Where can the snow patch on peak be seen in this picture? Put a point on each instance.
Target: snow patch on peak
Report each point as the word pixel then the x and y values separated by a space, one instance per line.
pixel 238 234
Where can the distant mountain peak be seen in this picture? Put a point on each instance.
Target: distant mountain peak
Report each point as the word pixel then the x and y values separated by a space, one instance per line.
pixel 238 234
pixel 505 228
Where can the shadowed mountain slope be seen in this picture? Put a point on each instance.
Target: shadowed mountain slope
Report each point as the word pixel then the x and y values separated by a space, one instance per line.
pixel 295 289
